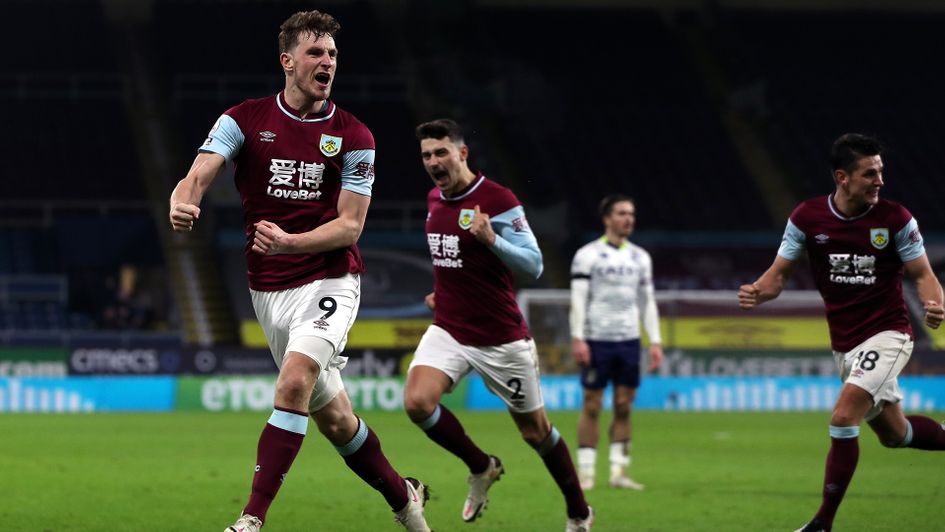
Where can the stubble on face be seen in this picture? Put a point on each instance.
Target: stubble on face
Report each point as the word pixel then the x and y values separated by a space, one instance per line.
pixel 314 65
pixel 622 219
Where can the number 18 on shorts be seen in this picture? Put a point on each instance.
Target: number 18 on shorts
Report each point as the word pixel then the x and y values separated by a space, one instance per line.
pixel 875 365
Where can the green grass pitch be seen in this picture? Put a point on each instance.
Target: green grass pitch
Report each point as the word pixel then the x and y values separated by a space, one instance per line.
pixel 756 472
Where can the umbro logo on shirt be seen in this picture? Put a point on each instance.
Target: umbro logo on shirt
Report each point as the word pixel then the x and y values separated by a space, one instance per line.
pixel 822 238
pixel 267 136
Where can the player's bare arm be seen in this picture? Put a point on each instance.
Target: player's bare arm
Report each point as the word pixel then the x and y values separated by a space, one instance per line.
pixel 768 286
pixel 481 228
pixel 341 232
pixel 186 197
pixel 929 288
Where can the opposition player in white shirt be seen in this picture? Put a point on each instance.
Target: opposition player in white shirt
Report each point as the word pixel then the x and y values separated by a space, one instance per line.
pixel 611 286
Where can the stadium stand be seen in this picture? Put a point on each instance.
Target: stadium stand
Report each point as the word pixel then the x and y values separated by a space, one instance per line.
pixel 636 101
pixel 813 89
pixel 580 123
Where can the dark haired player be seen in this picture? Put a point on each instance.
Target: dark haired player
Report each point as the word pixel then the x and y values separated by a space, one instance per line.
pixel 858 246
pixel 478 236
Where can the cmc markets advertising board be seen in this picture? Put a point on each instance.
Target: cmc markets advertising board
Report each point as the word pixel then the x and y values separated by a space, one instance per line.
pixel 200 361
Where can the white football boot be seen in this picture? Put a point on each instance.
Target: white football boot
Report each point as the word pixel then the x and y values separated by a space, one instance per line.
pixel 411 516
pixel 479 485
pixel 619 464
pixel 246 523
pixel 620 480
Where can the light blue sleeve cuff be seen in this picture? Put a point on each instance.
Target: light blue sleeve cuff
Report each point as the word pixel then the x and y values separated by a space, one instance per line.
pixel 792 243
pixel 225 138
pixel 515 243
pixel 909 242
pixel 357 173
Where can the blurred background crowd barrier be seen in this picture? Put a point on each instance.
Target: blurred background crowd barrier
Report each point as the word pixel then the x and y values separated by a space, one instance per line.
pixel 715 116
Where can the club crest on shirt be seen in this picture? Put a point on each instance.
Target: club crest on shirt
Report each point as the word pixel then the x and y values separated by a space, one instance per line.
pixel 329 145
pixel 879 237
pixel 466 218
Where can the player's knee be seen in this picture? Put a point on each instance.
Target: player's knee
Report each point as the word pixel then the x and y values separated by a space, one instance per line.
pixel 841 418
pixel 293 389
pixel 419 405
pixel 592 406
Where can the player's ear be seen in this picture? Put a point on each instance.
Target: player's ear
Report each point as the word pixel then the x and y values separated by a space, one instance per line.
pixel 840 176
pixel 288 64
pixel 463 152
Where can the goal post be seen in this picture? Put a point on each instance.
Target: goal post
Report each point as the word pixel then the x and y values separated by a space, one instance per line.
pixel 704 332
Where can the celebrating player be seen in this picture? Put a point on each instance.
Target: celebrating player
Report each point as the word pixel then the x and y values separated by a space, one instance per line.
pixel 304 169
pixel 858 246
pixel 478 235
pixel 611 281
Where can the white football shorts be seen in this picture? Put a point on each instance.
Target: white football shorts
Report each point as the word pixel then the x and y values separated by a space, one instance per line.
pixel 509 370
pixel 874 366
pixel 324 309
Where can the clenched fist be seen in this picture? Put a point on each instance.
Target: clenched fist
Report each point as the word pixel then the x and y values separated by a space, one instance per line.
pixel 270 239
pixel 183 216
pixel 748 296
pixel 934 313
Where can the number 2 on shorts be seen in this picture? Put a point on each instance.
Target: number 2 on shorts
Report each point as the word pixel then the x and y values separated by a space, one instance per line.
pixel 517 384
